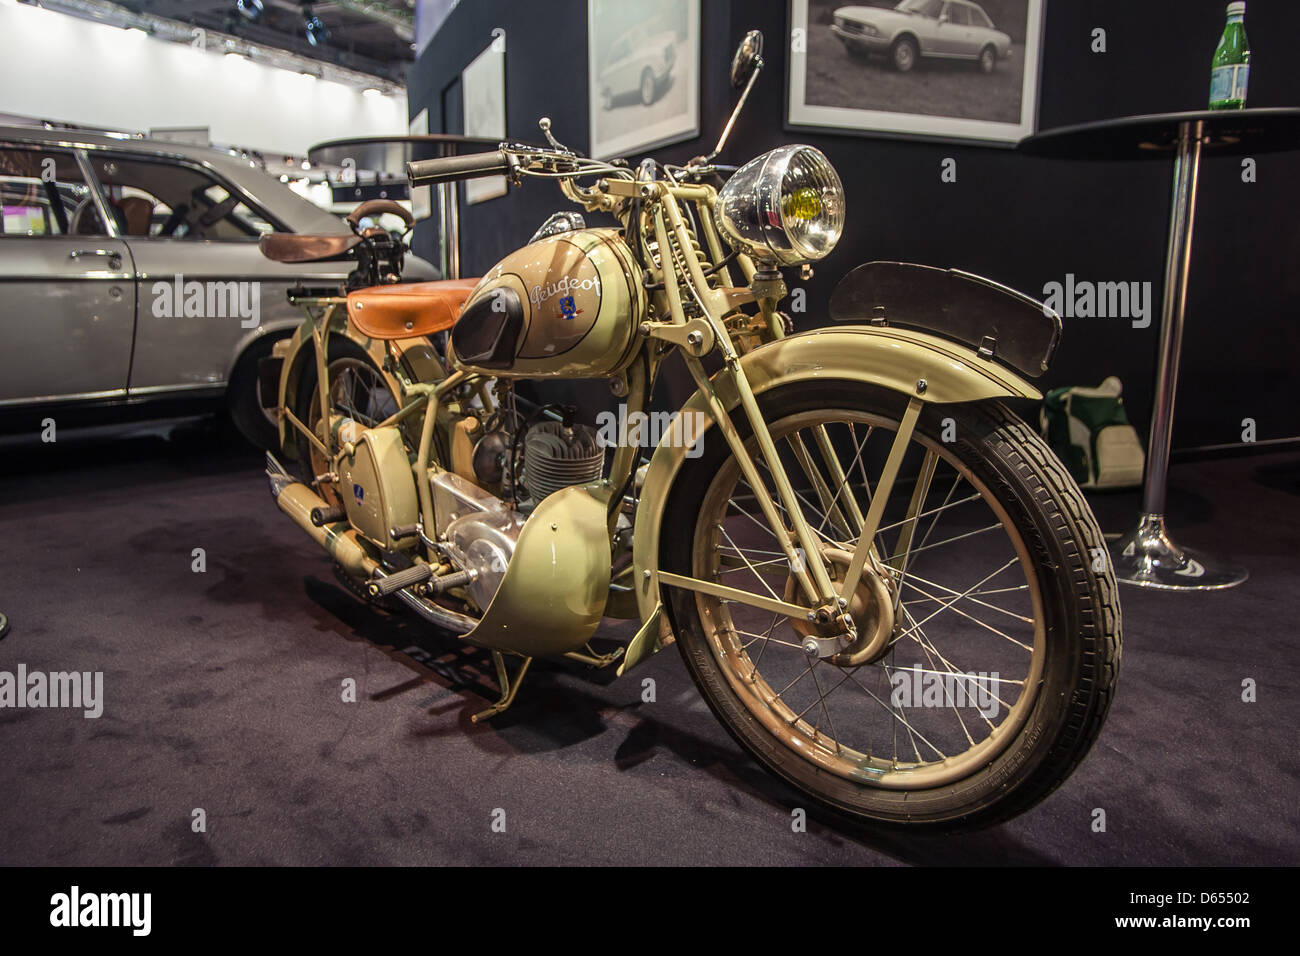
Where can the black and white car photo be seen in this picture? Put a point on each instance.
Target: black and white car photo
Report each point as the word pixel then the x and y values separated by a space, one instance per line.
pixel 954 69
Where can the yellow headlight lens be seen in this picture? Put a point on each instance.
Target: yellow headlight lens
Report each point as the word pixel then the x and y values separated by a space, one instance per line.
pixel 804 203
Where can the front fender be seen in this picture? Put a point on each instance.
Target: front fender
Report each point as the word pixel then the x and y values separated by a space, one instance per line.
pixel 912 363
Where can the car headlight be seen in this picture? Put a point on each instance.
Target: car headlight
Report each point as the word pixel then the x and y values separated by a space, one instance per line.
pixel 786 206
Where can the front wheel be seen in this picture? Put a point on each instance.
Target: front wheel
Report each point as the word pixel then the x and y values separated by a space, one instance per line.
pixel 988 60
pixel 904 54
pixel 1003 652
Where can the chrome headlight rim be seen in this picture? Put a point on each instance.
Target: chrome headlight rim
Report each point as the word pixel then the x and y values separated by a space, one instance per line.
pixel 750 207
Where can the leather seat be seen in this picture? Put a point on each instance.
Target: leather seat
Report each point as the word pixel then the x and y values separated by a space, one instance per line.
pixel 299 247
pixel 408 309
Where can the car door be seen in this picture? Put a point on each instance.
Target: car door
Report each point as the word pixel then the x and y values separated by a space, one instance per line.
pixel 951 35
pixel 67 289
pixel 205 289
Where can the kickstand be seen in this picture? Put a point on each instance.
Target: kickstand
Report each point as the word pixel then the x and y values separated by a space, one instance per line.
pixel 508 687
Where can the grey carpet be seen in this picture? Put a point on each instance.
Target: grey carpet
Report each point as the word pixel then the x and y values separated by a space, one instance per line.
pixel 223 693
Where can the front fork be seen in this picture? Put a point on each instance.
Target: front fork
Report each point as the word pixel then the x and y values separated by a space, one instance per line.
pixel 828 600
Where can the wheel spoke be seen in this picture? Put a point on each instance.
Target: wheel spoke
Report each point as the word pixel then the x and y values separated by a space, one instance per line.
pixel 861 718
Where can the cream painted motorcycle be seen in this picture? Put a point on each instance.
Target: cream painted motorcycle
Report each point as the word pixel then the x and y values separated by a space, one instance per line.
pixel 882 581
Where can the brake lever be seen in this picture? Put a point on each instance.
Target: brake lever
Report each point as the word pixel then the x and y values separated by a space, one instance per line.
pixel 544 124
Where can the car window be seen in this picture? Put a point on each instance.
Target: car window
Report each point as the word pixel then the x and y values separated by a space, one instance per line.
pixel 42 193
pixel 958 15
pixel 979 18
pixel 927 8
pixel 172 200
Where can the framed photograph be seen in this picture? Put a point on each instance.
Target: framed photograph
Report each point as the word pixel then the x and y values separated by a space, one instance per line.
pixel 483 98
pixel 643 74
pixel 947 69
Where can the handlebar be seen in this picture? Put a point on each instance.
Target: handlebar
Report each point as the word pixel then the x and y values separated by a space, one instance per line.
pixel 429 172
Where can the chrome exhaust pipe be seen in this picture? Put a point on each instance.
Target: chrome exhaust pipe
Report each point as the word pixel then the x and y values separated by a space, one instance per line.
pixel 298 501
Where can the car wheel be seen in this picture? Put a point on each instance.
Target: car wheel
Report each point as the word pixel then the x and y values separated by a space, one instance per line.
pixel 244 397
pixel 988 60
pixel 647 87
pixel 904 54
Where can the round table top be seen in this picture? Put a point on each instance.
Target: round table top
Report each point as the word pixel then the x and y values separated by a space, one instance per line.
pixel 392 153
pixel 1155 136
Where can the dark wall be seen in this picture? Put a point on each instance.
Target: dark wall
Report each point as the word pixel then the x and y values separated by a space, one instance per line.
pixel 1021 221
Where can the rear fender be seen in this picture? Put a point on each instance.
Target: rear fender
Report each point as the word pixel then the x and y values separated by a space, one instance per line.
pixel 417 362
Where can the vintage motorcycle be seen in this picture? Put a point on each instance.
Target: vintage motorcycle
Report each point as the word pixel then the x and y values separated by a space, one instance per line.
pixel 885 585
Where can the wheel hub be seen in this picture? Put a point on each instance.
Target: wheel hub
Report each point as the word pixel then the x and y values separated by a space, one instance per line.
pixel 870 609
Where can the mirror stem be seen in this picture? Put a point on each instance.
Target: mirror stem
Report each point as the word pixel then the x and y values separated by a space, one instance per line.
pixel 740 104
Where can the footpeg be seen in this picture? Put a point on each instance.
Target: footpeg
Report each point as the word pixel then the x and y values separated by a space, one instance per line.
pixel 320 517
pixel 415 574
pixel 454 580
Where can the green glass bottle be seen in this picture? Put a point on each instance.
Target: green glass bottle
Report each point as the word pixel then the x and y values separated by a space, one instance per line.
pixel 1230 68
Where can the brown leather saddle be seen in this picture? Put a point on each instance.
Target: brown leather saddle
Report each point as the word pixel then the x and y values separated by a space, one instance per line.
pixel 409 309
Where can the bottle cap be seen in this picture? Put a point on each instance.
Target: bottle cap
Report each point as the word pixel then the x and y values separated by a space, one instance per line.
pixel 1238 7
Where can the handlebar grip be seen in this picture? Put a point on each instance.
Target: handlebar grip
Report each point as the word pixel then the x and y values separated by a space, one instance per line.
pixel 429 172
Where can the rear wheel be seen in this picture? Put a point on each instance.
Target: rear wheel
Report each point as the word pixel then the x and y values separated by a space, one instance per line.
pixel 1003 650
pixel 648 87
pixel 358 390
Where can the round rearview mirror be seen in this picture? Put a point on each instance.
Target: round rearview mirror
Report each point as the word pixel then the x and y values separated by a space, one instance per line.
pixel 748 56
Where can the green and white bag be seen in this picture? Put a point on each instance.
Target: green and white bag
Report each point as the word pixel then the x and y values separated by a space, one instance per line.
pixel 1090 433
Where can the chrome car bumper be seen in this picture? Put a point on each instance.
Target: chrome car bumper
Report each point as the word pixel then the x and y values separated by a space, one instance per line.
pixel 877 44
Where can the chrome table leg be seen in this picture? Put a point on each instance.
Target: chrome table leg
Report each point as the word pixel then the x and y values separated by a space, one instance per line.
pixel 1147 556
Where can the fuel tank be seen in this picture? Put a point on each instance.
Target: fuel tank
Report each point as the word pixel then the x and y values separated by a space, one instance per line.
pixel 567 306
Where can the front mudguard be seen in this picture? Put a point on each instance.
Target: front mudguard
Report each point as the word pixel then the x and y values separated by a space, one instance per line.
pixel 912 363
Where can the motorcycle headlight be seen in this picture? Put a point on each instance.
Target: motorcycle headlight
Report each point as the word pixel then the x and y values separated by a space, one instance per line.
pixel 785 206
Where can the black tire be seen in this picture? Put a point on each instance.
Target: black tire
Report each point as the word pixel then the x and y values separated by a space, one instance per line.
pixel 648 84
pixel 904 54
pixel 988 61
pixel 244 397
pixel 1080 614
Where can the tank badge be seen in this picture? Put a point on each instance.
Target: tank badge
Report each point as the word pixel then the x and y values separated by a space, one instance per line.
pixel 568 308
pixel 358 492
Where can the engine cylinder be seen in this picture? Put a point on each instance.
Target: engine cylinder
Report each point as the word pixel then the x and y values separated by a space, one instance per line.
pixel 556 457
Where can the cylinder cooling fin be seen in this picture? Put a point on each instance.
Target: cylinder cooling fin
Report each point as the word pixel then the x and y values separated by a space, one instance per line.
pixel 556 456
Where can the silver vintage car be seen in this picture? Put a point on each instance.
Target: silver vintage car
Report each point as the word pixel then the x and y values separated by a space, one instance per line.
pixel 131 281
pixel 952 29
pixel 637 63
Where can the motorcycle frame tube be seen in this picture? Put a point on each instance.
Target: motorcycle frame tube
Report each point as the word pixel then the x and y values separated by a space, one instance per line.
pixel 914 364
pixel 810 572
